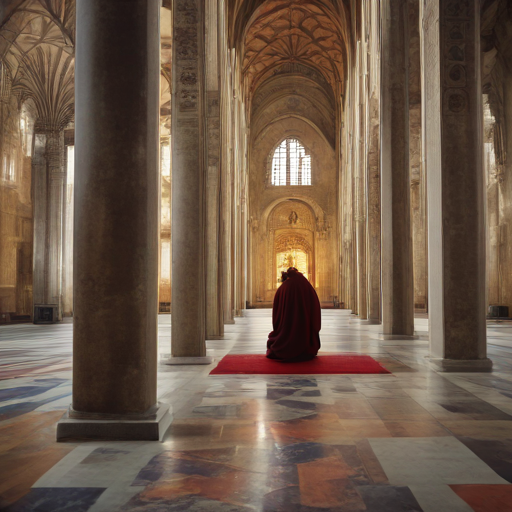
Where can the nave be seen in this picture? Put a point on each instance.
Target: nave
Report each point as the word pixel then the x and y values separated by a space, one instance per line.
pixel 415 440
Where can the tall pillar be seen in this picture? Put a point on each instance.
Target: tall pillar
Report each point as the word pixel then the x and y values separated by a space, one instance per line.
pixel 455 186
pixel 417 171
pixel 226 102
pixel 374 215
pixel 49 208
pixel 55 211
pixel 373 172
pixel 116 223
pixel 188 184
pixel 360 183
pixel 397 257
pixel 214 303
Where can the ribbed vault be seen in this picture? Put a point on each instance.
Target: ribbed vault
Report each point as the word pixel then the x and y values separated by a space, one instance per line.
pixel 37 55
pixel 281 32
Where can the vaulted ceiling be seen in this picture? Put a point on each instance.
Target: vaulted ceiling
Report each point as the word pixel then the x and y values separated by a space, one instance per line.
pixel 37 41
pixel 293 58
pixel 282 31
pixel 37 50
pixel 36 24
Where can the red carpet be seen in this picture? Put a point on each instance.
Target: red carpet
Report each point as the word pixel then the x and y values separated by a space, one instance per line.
pixel 325 364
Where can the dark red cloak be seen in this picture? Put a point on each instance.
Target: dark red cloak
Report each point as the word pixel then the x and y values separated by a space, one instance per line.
pixel 296 319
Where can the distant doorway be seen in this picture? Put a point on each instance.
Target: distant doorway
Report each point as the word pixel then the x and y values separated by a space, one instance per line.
pixel 292 258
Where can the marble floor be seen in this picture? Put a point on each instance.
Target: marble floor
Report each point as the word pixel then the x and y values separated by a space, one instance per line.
pixel 411 441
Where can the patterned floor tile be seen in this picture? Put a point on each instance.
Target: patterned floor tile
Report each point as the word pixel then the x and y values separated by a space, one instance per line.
pixel 267 443
pixel 57 500
pixel 389 499
pixel 486 498
pixel 326 483
pixel 497 454
pixel 428 461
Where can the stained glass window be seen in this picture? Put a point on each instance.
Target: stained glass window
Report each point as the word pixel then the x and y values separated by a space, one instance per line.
pixel 291 164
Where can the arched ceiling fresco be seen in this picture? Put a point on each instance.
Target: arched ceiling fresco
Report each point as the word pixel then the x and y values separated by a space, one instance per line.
pixel 293 57
pixel 283 32
pixel 274 33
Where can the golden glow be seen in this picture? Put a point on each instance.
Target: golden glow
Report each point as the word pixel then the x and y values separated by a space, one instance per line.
pixel 291 258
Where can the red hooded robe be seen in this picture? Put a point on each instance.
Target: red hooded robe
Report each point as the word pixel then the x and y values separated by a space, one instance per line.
pixel 296 319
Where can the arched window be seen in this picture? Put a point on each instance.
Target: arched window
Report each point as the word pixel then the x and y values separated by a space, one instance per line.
pixel 291 164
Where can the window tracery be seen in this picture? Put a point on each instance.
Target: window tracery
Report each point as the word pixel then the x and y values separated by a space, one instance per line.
pixel 291 164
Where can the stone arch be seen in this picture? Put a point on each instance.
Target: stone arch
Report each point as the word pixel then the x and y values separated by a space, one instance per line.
pixel 313 125
pixel 289 228
pixel 315 207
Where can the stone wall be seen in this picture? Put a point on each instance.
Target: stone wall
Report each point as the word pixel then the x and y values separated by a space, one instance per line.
pixel 16 218
pixel 496 27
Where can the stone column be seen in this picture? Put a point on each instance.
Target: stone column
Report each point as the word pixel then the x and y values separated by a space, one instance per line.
pixel 373 171
pixel 417 171
pixel 55 211
pixel 374 216
pixel 397 257
pixel 68 222
pixel 116 223
pixel 455 186
pixel 214 311
pixel 226 102
pixel 49 207
pixel 361 198
pixel 188 184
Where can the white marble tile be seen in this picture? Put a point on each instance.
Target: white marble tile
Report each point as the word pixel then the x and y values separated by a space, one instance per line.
pixel 437 498
pixel 431 461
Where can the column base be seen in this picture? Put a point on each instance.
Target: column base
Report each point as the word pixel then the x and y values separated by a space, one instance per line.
pixel 461 365
pixel 370 322
pixel 188 360
pixel 151 427
pixel 386 337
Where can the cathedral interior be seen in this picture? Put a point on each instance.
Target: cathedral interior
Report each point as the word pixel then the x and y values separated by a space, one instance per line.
pixel 163 161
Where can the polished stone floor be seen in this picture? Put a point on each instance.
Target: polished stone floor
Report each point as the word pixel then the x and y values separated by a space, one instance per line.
pixel 414 440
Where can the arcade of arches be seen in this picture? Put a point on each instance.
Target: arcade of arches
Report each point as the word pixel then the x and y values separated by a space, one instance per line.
pixel 173 156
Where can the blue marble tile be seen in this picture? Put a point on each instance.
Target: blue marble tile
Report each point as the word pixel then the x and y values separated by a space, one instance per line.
pixel 23 392
pixel 13 410
pixel 301 452
pixel 57 499
pixel 168 463
pixel 315 392
pixel 277 393
pixel 289 499
pixel 497 454
pixel 182 504
pixel 295 382
pixel 389 499
pixel 476 409
pixel 296 404
pixel 282 476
